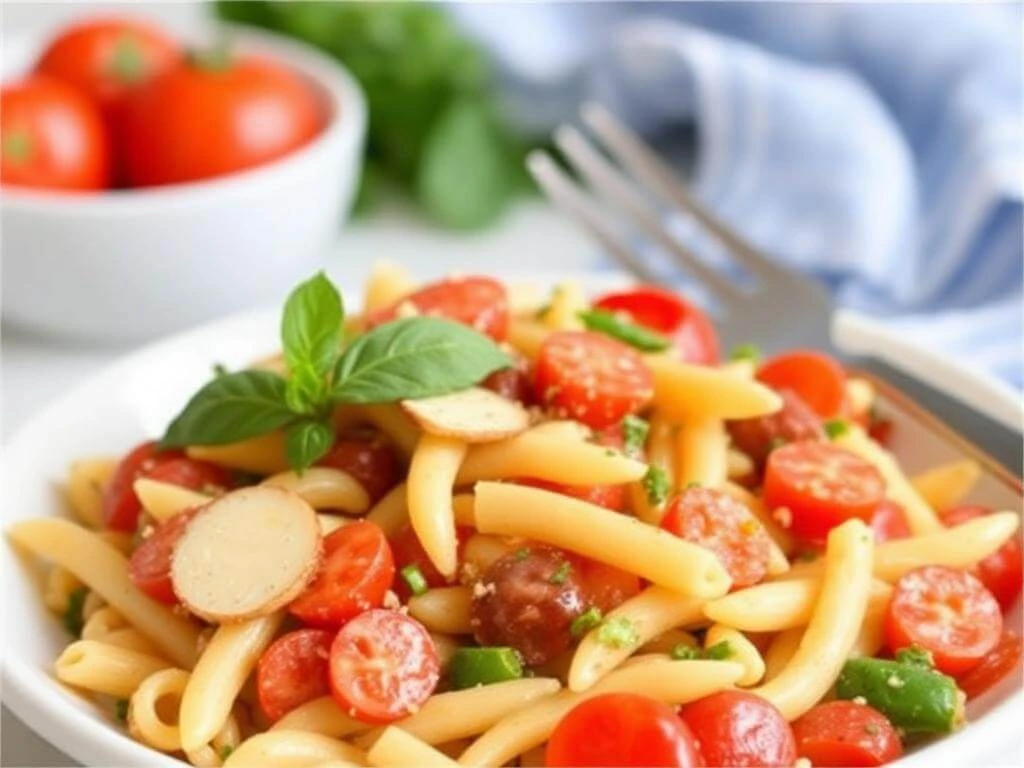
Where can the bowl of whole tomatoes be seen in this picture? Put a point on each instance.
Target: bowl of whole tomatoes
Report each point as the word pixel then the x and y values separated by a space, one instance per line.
pixel 149 183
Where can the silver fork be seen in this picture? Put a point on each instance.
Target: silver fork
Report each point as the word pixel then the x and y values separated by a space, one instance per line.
pixel 773 307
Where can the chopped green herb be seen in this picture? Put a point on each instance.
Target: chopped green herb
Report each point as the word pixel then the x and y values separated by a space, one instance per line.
pixel 718 651
pixel 611 324
pixel 585 622
pixel 522 553
pixel 749 352
pixel 617 633
pixel 415 579
pixel 656 485
pixel 915 655
pixel 73 619
pixel 121 710
pixel 562 573
pixel 684 652
pixel 482 666
pixel 836 427
pixel 634 433
pixel 225 752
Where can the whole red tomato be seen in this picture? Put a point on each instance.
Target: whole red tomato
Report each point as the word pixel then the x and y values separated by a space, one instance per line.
pixel 215 114
pixel 52 137
pixel 106 58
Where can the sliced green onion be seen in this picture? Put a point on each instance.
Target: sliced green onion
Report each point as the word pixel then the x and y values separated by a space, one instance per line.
pixel 562 573
pixel 618 633
pixel 72 618
pixel 611 324
pixel 521 554
pixel 917 655
pixel 684 652
pixel 470 667
pixel 414 578
pixel 718 651
pixel 656 485
pixel 836 427
pixel 749 352
pixel 585 622
pixel 634 433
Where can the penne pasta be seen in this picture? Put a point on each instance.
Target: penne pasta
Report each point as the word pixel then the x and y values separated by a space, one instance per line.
pixel 429 495
pixel 387 284
pixel 398 427
pixel 60 583
pixel 562 312
pixel 293 749
pixel 702 453
pixel 527 336
pixel 945 486
pixel 741 650
pixel 668 640
pixel 163 501
pixel 87 480
pixel 661 453
pixel 444 610
pixel 391 512
pixel 325 488
pixel 323 716
pixel 686 391
pixel 145 721
pixel 101 623
pixel 652 553
pixel 103 668
pixel 781 651
pixel 399 748
pixel 481 551
pixel 264 455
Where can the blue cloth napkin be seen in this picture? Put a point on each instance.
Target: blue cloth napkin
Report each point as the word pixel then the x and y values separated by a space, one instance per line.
pixel 878 147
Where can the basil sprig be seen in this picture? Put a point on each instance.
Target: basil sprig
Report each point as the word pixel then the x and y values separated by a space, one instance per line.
pixel 611 324
pixel 408 358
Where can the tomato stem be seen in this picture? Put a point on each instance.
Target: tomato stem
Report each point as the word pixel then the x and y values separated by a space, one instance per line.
pixel 17 147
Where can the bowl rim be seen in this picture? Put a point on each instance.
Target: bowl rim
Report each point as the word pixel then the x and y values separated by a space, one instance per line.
pixel 346 125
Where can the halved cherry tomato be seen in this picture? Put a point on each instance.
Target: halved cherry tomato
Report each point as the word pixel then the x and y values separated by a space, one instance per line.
pixel 720 523
pixel 355 575
pixel 889 522
pixel 793 423
pixel 370 460
pixel 479 302
pixel 622 729
pixel 1002 571
pixel 996 665
pixel 845 734
pixel 407 550
pixel 592 378
pixel 383 666
pixel 120 505
pixel 946 612
pixel 819 379
pixel 690 330
pixel 820 485
pixel 190 473
pixel 739 729
pixel 294 670
pixel 149 567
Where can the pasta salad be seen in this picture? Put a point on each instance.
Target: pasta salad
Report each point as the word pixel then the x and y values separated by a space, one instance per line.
pixel 469 527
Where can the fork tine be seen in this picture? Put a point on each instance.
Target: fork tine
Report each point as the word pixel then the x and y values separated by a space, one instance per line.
pixel 603 177
pixel 645 166
pixel 564 192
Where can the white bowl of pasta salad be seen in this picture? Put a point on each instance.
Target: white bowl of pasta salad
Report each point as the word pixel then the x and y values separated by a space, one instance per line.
pixel 465 526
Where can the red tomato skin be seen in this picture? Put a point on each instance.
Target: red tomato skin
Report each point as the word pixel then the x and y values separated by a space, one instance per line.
pixel 996 665
pixel 294 670
pixel 407 550
pixel 53 137
pixel 356 573
pixel 735 728
pixel 192 122
pixel 946 612
pixel 370 461
pixel 591 378
pixel 515 383
pixel 105 58
pixel 691 331
pixel 816 377
pixel 121 507
pixel 822 486
pixel 604 586
pixel 477 301
pixel 622 729
pixel 1001 572
pixel 372 644
pixel 189 473
pixel 720 523
pixel 149 566
pixel 889 522
pixel 844 734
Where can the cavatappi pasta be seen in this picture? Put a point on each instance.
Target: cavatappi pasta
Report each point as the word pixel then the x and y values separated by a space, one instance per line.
pixel 624 524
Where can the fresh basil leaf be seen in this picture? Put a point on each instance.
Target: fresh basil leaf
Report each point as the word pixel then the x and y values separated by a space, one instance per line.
pixel 637 336
pixel 306 390
pixel 311 325
pixel 414 357
pixel 307 442
pixel 231 407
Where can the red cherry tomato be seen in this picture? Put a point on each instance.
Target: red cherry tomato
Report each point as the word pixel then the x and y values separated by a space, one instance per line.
pixel 189 473
pixel 999 663
pixel 150 564
pixel 720 523
pixel 944 611
pixel 120 505
pixel 889 522
pixel 356 572
pixel 479 302
pixel 407 550
pixel 1001 572
pixel 202 119
pixel 622 729
pixel 739 729
pixel 383 666
pixel 107 58
pixel 294 670
pixel 845 734
pixel 821 486
pixel 52 137
pixel 371 461
pixel 592 378
pixel 690 330
pixel 817 378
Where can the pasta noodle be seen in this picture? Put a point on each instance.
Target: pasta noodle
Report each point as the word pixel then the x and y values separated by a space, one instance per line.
pixel 399 748
pixel 103 668
pixel 945 486
pixel 685 391
pixel 87 480
pixel 60 583
pixel 101 623
pixel 145 721
pixel 781 651
pixel 567 301
pixel 398 427
pixel 527 336
pixel 431 478
pixel 444 609
pixel 391 512
pixel 661 452
pixel 388 283
pixel 264 455
pixel 325 488
pixel 741 650
pixel 163 501
pixel 323 716
pixel 612 538
pixel 292 749
pixel 702 453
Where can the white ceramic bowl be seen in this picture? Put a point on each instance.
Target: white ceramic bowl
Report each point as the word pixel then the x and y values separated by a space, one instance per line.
pixel 135 264
pixel 136 397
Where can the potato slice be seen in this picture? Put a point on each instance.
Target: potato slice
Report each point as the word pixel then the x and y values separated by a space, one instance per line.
pixel 474 415
pixel 246 554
